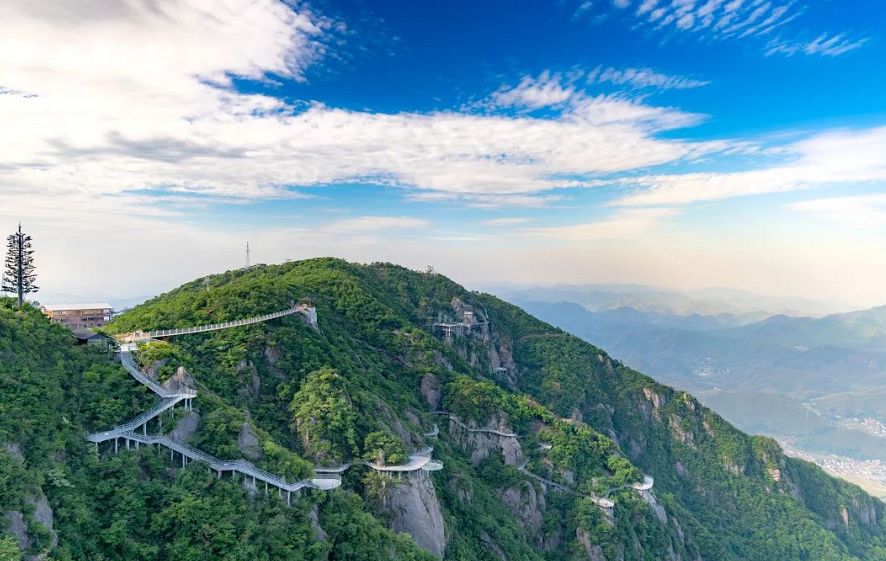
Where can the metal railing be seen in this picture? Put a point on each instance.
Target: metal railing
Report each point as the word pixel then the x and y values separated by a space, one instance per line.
pixel 129 364
pixel 326 478
pixel 136 336
pixel 458 422
pixel 240 466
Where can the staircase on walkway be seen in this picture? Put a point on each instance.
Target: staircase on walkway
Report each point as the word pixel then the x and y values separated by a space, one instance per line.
pixel 326 479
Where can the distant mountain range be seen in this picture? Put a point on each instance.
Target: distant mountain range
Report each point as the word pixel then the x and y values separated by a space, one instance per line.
pixel 737 306
pixel 784 376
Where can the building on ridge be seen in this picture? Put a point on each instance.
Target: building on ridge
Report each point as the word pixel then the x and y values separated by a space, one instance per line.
pixel 79 316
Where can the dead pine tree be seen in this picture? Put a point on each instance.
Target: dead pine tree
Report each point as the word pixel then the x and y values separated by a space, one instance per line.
pixel 19 277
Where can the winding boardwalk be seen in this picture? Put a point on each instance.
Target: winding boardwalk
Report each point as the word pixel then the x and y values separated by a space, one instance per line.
pixel 604 502
pixel 129 364
pixel 458 422
pixel 326 479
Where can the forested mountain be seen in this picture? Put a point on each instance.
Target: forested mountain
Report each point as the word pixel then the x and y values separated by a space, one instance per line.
pixel 785 376
pixel 534 428
pixel 862 329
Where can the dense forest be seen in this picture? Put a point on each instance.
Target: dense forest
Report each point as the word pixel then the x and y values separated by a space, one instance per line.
pixel 533 427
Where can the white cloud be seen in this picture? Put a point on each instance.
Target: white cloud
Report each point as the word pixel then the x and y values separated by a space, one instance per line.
pixel 505 221
pixel 375 224
pixel 830 158
pixel 577 106
pixel 824 45
pixel 858 210
pixel 643 78
pixel 103 103
pixel 625 224
pixel 487 201
pixel 646 7
pixel 534 93
pixel 736 19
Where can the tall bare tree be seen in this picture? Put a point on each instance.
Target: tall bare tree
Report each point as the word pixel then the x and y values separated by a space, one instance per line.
pixel 19 277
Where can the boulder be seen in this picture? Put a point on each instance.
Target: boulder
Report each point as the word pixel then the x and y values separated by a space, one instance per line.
pixel 593 551
pixel 414 509
pixel 185 427
pixel 526 504
pixel 248 443
pixel 430 390
pixel 179 381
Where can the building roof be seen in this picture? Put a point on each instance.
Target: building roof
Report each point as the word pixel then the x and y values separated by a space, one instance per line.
pixel 85 334
pixel 87 306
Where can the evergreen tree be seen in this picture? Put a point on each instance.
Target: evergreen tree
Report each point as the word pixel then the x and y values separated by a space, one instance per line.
pixel 19 277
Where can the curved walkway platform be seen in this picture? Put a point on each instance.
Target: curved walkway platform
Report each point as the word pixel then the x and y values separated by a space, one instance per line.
pixel 327 478
pixel 129 364
pixel 458 422
pixel 243 467
pixel 604 502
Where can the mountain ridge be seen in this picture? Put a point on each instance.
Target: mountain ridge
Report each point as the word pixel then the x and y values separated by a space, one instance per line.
pixel 372 376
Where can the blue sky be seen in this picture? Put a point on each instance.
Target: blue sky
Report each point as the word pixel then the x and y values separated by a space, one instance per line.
pixel 675 143
pixel 425 56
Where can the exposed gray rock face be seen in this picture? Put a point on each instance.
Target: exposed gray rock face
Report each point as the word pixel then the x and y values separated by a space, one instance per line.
pixel 185 427
pixel 272 354
pixel 480 444
pixel 248 443
pixel 414 509
pixel 255 382
pixel 43 515
pixel 442 361
pixel 594 552
pixel 657 509
pixel 15 450
pixel 390 419
pixel 501 361
pixel 492 547
pixel 680 469
pixel 18 528
pixel 553 540
pixel 657 402
pixel 687 438
pixel 430 390
pixel 314 517
pixel 254 379
pixel 181 380
pixel 526 504
pixel 152 369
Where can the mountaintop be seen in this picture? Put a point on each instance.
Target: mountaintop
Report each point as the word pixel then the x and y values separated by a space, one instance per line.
pixel 549 447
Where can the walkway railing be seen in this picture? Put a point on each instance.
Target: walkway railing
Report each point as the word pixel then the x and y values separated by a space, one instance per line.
pixel 458 422
pixel 327 479
pixel 604 502
pixel 137 336
pixel 239 466
pixel 129 364
pixel 139 421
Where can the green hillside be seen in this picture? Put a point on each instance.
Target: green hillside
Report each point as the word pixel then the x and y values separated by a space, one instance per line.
pixel 371 382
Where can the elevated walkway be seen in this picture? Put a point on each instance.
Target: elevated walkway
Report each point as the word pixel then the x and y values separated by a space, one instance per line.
pixel 141 421
pixel 603 502
pixel 140 336
pixel 458 422
pixel 326 479
pixel 243 467
pixel 129 364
